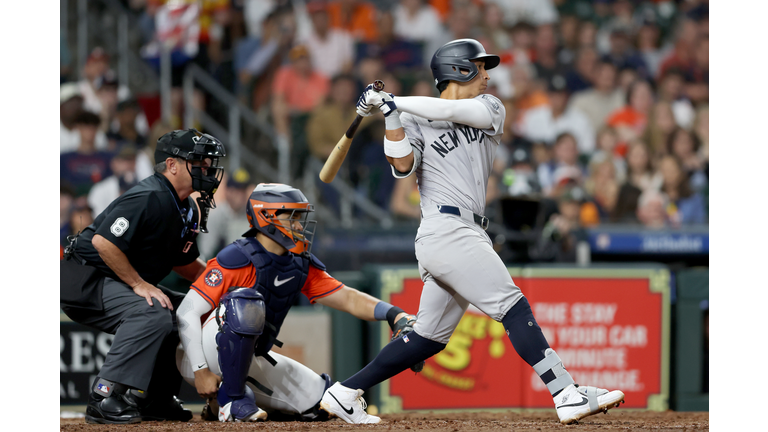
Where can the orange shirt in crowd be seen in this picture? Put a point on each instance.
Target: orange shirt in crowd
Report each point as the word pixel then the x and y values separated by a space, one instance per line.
pixel 627 117
pixel 302 94
pixel 216 280
pixel 362 23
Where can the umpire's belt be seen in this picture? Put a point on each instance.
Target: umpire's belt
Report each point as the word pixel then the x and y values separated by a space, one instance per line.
pixel 464 214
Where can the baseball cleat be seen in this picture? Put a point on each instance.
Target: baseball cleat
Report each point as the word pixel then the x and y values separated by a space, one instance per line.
pixel 241 410
pixel 576 402
pixel 115 409
pixel 347 404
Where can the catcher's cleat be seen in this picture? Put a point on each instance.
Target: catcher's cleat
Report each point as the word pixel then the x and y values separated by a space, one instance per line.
pixel 241 410
pixel 347 404
pixel 575 402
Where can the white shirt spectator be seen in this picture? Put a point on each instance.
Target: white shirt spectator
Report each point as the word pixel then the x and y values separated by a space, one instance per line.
pixel 536 12
pixel 538 124
pixel 70 139
pixel 254 12
pixel 422 27
pixel 329 55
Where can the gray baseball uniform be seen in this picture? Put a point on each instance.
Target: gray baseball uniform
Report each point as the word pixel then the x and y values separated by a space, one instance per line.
pixel 457 262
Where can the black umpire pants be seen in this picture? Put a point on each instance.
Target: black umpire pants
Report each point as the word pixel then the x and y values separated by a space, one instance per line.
pixel 143 352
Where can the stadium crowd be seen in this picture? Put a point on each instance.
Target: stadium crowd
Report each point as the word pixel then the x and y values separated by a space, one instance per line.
pixel 606 100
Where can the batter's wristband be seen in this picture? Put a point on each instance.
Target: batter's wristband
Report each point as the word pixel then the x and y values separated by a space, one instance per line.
pixel 392 314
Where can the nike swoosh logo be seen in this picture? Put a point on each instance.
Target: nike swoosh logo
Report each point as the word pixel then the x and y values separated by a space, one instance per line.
pixel 280 282
pixel 348 411
pixel 200 366
pixel 584 401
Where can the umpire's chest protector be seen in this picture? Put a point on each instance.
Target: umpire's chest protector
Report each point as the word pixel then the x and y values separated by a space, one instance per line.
pixel 278 278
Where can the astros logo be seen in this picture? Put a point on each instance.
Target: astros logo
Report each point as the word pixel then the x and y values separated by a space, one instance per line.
pixel 214 277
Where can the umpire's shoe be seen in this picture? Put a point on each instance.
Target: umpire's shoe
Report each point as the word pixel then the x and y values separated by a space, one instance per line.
pixel 576 402
pixel 113 409
pixel 347 404
pixel 162 408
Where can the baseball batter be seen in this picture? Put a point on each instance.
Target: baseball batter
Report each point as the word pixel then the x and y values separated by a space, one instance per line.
pixel 449 143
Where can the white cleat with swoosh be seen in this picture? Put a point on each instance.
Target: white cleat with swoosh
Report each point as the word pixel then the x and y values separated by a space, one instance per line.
pixel 576 402
pixel 347 404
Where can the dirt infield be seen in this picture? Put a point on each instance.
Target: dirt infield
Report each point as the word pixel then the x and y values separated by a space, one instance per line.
pixel 616 419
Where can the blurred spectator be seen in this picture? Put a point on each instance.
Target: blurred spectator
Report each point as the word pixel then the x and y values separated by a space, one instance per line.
pixel 546 61
pixel 71 106
pixel 331 49
pixel 607 149
pixel 697 74
pixel 255 13
pixel 523 37
pixel 396 53
pixel 79 217
pixel 685 206
pixel 297 90
pixel 329 121
pixel 640 168
pixel 672 90
pixel 357 17
pixel 526 95
pixel 685 146
pixel 519 175
pixel 226 223
pixel 627 76
pixel 569 44
pixel 649 46
pixel 368 70
pixel 535 11
pixel 652 209
pixel 458 25
pixel 96 66
pixel 601 100
pixel 630 121
pixel 546 122
pixel 106 91
pixel 586 35
pixel 625 210
pixel 86 165
pixel 123 167
pixel 257 60
pixel 701 131
pixel 581 76
pixel 123 127
pixel 405 201
pixel 416 21
pixel 564 166
pixel 423 87
pixel 623 55
pixel 493 28
pixel 660 126
pixel 603 188
pixel 563 228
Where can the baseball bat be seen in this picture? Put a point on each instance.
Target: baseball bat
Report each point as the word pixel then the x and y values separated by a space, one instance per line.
pixel 336 158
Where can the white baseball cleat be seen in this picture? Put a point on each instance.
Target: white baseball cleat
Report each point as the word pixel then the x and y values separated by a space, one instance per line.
pixel 576 402
pixel 226 414
pixel 347 404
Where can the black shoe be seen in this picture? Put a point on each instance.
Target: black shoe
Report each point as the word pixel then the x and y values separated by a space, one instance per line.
pixel 167 408
pixel 115 409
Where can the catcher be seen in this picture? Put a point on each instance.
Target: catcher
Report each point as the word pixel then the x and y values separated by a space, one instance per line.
pixel 231 316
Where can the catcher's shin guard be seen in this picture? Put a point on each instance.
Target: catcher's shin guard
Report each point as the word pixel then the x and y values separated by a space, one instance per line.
pixel 236 340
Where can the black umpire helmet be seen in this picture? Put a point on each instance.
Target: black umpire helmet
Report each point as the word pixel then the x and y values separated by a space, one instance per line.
pixel 193 145
pixel 455 56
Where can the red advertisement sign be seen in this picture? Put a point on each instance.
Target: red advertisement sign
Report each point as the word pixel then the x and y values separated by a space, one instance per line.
pixel 609 332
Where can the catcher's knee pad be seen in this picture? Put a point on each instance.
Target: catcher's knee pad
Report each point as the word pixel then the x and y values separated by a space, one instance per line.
pixel 244 311
pixel 244 316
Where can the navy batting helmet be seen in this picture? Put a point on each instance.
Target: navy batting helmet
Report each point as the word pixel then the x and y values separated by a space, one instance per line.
pixel 266 202
pixel 455 56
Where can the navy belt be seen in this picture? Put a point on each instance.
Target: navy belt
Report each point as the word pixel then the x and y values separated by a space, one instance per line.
pixel 480 220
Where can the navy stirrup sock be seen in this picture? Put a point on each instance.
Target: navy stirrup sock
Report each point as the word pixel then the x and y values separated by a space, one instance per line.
pixel 524 332
pixel 394 358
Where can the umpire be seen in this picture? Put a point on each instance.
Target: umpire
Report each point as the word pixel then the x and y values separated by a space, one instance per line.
pixel 111 270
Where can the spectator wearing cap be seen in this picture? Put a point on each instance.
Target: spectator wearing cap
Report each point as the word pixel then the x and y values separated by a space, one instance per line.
pixel 546 122
pixel 623 55
pixel 297 90
pixel 71 107
pixel 601 100
pixel 649 46
pixel 96 66
pixel 86 165
pixel 358 17
pixel 123 167
pixel 226 223
pixel 563 167
pixel 331 50
pixel 563 226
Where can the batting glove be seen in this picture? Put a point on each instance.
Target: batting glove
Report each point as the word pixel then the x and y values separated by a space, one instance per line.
pixel 402 327
pixel 363 108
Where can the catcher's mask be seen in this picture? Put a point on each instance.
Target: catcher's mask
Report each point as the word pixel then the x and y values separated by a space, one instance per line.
pixel 194 146
pixel 266 205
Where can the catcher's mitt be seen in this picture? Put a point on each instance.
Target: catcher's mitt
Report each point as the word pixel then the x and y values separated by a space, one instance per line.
pixel 402 327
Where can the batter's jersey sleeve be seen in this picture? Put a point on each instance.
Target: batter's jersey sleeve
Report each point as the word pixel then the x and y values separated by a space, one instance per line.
pixel 415 137
pixel 319 284
pixel 498 113
pixel 217 280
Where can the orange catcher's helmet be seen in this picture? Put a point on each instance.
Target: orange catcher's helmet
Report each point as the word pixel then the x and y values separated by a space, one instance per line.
pixel 267 201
